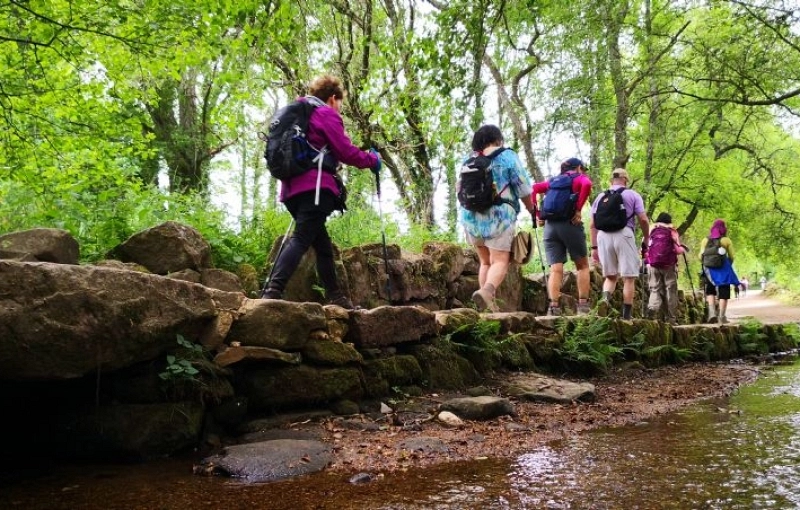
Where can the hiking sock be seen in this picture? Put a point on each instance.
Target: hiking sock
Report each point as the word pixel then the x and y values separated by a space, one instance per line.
pixel 712 313
pixel 607 296
pixel 626 311
pixel 490 289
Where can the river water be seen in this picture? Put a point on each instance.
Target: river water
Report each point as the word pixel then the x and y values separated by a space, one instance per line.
pixel 741 452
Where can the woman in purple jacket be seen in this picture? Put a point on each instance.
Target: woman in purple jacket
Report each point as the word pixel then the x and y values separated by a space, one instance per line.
pixel 299 194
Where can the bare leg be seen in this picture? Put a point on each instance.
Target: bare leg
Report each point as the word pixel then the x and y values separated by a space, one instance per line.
pixel 582 265
pixel 498 267
pixel 484 257
pixel 609 284
pixel 554 283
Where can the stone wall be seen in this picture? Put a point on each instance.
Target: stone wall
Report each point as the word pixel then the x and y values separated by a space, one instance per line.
pixel 98 348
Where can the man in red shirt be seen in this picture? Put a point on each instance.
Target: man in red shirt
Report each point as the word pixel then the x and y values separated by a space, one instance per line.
pixel 565 235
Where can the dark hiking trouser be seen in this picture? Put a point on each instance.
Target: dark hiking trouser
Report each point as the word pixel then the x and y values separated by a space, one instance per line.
pixel 309 232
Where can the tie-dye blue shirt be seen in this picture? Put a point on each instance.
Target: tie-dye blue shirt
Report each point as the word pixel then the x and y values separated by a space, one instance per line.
pixel 511 178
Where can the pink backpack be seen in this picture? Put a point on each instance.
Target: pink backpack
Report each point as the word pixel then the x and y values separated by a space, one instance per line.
pixel 661 248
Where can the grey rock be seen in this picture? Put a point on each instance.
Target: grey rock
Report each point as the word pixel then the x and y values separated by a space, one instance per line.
pixel 270 461
pixel 478 408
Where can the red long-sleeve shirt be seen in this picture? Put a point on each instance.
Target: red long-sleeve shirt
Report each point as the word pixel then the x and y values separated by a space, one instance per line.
pixel 581 186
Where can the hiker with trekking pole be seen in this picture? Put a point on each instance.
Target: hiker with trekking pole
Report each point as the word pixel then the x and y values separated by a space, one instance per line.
pixel 564 234
pixel 716 255
pixel 491 183
pixel 664 246
pixel 305 147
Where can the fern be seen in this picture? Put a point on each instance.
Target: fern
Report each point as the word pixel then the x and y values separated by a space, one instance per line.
pixel 589 342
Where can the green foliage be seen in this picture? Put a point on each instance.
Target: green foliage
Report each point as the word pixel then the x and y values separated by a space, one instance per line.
pixel 482 337
pixel 589 342
pixel 102 97
pixel 792 331
pixel 702 346
pixel 751 338
pixel 181 366
pixel 667 351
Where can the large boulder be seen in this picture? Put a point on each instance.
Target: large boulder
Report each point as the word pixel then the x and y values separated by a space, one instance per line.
pixel 280 387
pixel 40 244
pixel 166 248
pixel 277 324
pixel 388 325
pixel 62 321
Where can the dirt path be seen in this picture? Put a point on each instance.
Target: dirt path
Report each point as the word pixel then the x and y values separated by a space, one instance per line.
pixel 758 306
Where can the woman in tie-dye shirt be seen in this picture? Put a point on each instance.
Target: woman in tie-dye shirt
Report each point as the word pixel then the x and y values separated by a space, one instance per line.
pixel 492 231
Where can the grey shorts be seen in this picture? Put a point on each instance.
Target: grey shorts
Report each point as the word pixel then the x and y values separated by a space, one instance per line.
pixel 501 242
pixel 562 238
pixel 618 253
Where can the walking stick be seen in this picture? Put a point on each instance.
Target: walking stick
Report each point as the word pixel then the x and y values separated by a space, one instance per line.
pixel 280 250
pixel 383 239
pixel 642 277
pixel 643 280
pixel 539 249
pixel 688 272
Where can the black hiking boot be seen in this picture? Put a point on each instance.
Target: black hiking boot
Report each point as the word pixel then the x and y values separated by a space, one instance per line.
pixel 339 299
pixel 272 294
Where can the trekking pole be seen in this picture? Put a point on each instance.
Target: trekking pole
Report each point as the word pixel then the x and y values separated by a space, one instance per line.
pixel 541 254
pixel 280 250
pixel 383 239
pixel 642 277
pixel 688 272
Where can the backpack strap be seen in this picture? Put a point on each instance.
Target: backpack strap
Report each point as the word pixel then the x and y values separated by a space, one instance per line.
pixel 500 199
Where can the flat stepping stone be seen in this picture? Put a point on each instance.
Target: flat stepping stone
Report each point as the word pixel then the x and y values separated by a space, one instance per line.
pixel 478 408
pixel 538 388
pixel 268 461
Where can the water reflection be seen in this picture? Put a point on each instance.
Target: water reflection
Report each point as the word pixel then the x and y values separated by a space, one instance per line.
pixel 737 453
pixel 741 453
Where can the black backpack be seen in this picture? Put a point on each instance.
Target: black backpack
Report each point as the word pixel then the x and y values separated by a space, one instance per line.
pixel 476 188
pixel 287 151
pixel 559 200
pixel 610 215
pixel 711 255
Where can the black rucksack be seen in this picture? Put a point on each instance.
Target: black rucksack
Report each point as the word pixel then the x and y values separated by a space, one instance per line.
pixel 610 215
pixel 476 188
pixel 711 255
pixel 287 151
pixel 559 200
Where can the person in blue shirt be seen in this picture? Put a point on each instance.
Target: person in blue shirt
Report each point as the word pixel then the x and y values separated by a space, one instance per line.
pixel 491 232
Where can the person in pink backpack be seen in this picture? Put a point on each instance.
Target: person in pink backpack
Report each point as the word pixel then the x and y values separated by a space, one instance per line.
pixel 664 246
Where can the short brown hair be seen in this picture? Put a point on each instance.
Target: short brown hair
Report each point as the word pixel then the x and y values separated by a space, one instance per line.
pixel 325 86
